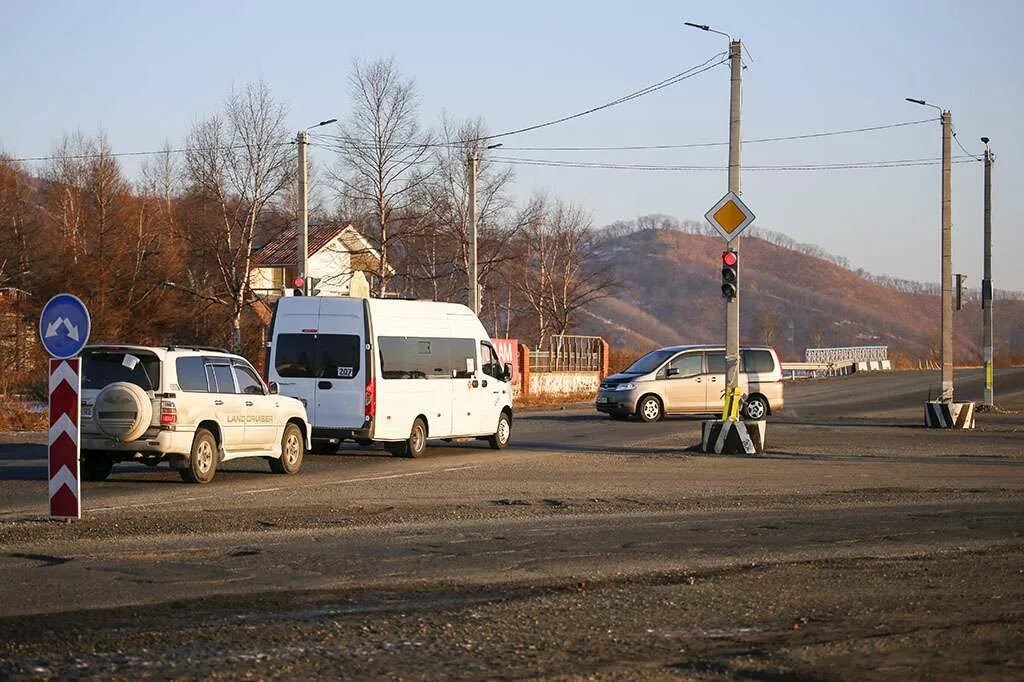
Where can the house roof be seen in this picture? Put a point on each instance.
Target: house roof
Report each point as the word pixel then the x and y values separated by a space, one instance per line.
pixel 282 250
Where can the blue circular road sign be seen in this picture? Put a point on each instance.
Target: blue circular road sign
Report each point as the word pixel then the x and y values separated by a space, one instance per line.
pixel 64 326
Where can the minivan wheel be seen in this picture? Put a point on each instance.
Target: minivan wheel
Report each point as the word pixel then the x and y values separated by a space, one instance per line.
pixel 416 444
pixel 756 408
pixel 290 460
pixel 650 409
pixel 96 466
pixel 499 441
pixel 202 462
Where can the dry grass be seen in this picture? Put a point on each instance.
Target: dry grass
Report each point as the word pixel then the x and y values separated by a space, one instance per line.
pixel 16 415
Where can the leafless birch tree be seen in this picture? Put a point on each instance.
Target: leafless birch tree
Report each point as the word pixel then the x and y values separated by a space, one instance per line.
pixel 380 145
pixel 239 162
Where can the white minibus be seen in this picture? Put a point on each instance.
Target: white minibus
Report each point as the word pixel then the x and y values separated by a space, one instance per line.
pixel 392 371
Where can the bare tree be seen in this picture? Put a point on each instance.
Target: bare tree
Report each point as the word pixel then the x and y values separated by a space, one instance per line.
pixel 768 327
pixel 439 258
pixel 238 163
pixel 380 145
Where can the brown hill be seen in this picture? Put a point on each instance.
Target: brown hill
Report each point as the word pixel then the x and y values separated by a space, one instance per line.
pixel 668 292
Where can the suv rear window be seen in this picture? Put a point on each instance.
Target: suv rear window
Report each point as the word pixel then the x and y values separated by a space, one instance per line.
pixel 102 368
pixel 758 361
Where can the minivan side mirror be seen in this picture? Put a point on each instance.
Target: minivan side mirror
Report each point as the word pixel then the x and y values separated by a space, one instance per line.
pixel 507 372
pixel 273 388
pixel 672 372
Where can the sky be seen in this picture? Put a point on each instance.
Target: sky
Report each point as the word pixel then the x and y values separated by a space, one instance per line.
pixel 144 72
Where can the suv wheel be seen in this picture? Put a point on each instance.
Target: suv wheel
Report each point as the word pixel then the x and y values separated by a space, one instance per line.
pixel 650 409
pixel 96 466
pixel 416 444
pixel 756 408
pixel 202 464
pixel 291 452
pixel 499 441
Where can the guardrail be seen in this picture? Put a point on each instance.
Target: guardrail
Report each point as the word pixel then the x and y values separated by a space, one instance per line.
pixel 810 370
pixel 847 354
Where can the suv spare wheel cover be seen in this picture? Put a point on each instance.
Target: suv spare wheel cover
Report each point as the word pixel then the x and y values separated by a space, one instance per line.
pixel 122 411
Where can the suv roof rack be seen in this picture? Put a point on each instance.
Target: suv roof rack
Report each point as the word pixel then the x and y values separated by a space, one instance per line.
pixel 212 349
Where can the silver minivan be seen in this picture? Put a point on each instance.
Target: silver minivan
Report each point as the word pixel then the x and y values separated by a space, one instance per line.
pixel 691 380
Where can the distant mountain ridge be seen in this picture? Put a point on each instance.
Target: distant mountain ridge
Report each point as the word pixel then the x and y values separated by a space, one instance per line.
pixel 793 296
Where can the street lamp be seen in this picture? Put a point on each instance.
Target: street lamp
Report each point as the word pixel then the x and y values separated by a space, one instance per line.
pixel 947 250
pixel 302 141
pixel 474 287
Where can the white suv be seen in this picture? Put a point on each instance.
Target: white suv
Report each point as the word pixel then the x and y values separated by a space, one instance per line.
pixel 192 407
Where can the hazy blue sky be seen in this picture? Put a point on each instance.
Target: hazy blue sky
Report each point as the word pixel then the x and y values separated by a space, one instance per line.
pixel 144 71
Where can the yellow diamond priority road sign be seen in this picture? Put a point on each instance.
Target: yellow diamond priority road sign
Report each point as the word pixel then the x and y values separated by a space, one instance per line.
pixel 730 216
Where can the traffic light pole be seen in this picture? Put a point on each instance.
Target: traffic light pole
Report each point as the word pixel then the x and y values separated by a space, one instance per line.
pixel 987 298
pixel 732 305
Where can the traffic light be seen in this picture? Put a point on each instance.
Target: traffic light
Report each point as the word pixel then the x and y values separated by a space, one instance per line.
pixel 730 261
pixel 960 279
pixel 299 286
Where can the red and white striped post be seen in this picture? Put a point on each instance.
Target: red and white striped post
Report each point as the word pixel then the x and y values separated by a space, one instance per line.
pixel 65 476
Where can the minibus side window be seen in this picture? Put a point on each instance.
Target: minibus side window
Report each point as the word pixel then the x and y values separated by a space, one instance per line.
pixel 463 358
pixel 416 357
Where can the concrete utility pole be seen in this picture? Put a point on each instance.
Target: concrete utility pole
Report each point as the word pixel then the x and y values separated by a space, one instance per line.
pixel 732 306
pixel 987 297
pixel 947 258
pixel 474 287
pixel 302 141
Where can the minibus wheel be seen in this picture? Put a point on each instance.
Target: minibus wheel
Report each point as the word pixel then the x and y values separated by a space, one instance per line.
pixel 416 444
pixel 499 441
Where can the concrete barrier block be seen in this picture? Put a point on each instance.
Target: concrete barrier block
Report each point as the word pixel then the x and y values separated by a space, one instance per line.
pixel 733 438
pixel 940 415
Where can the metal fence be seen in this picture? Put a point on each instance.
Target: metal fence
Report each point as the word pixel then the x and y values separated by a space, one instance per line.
pixel 567 354
pixel 848 354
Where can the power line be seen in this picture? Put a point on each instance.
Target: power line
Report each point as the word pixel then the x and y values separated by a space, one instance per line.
pixel 827 133
pixel 974 156
pixel 892 163
pixel 693 71
pixel 101 155
pixel 692 145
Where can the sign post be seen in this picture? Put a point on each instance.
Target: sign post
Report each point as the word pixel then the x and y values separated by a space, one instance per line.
pixel 64 330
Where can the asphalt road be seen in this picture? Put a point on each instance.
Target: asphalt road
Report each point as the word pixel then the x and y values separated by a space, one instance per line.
pixel 859 546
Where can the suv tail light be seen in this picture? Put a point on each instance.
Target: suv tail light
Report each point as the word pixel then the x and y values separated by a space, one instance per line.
pixel 371 399
pixel 168 413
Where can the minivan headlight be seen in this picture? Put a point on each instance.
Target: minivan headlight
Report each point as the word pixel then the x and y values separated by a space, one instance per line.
pixel 624 387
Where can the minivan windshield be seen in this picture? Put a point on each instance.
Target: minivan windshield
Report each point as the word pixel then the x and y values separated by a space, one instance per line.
pixel 650 362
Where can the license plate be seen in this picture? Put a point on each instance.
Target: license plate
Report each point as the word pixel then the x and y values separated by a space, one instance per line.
pixel 602 399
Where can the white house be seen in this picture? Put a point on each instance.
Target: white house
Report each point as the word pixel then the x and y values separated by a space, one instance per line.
pixel 337 252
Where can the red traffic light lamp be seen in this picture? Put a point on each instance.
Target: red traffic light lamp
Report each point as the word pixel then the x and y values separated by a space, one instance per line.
pixel 730 276
pixel 299 284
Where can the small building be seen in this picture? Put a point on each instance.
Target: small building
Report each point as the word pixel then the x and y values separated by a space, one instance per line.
pixel 337 254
